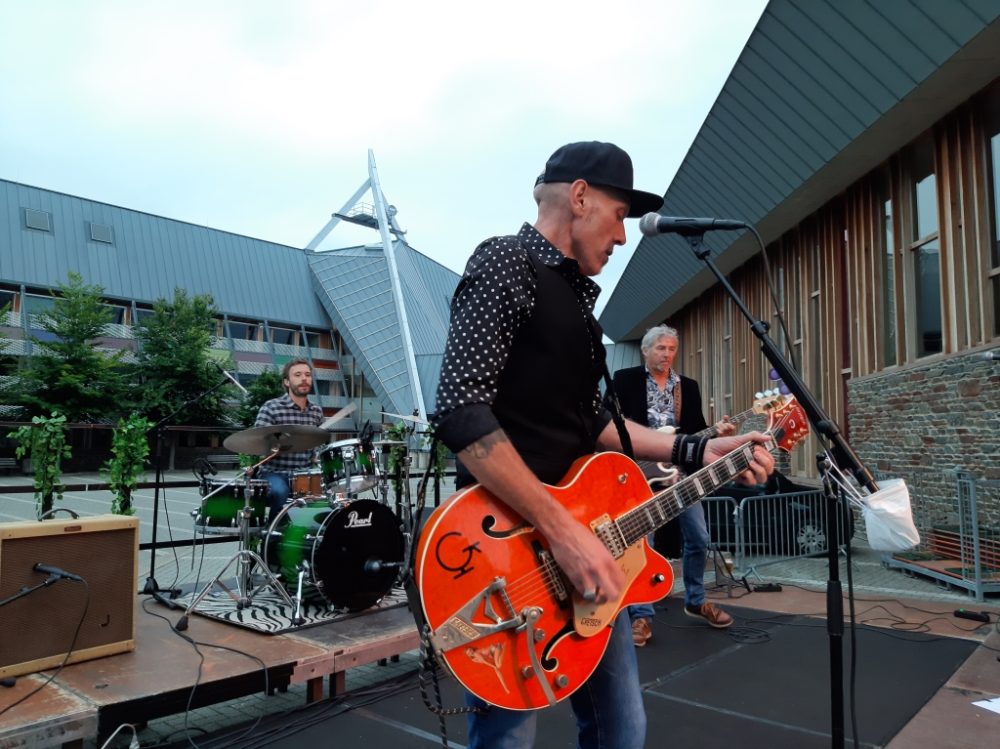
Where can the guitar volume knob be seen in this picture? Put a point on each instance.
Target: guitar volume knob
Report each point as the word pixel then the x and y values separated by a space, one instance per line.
pixel 658 578
pixel 562 681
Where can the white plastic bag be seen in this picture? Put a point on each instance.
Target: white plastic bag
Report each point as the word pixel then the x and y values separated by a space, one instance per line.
pixel 888 518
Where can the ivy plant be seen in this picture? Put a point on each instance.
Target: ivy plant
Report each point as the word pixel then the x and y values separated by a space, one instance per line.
pixel 129 451
pixel 44 442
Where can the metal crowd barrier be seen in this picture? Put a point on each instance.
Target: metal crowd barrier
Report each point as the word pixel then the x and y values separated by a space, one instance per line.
pixel 771 528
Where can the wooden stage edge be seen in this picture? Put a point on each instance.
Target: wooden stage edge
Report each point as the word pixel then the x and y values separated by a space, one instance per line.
pixel 89 700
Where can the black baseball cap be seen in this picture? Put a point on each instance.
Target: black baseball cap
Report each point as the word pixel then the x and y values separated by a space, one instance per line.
pixel 601 164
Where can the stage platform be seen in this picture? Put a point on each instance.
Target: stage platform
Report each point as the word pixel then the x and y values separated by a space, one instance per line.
pixel 89 700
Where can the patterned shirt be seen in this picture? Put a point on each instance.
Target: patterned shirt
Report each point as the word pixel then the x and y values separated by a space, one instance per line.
pixel 660 410
pixel 495 296
pixel 283 410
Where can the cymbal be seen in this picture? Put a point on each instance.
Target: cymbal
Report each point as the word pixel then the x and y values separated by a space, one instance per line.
pixel 414 419
pixel 292 438
pixel 380 443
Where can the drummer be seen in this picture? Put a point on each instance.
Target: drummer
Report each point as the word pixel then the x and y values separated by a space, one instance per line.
pixel 294 407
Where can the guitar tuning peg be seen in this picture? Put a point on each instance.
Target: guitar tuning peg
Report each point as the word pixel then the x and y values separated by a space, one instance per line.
pixel 758 396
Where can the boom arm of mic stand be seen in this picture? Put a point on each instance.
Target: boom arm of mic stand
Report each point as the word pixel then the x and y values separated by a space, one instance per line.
pixel 843 453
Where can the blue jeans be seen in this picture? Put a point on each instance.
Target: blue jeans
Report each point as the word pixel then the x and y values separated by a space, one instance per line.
pixel 277 482
pixel 694 528
pixel 608 708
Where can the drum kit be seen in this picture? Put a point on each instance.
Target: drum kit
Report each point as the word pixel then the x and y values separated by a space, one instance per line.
pixel 326 545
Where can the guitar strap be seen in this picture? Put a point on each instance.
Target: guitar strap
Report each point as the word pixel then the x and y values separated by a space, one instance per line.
pixel 612 397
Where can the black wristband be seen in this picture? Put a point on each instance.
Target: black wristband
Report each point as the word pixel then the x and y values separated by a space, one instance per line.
pixel 675 454
pixel 689 451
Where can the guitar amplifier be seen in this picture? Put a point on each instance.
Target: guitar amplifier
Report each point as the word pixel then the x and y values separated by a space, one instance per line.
pixel 37 629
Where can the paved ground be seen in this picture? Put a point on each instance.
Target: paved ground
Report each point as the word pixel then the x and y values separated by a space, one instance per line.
pixel 193 567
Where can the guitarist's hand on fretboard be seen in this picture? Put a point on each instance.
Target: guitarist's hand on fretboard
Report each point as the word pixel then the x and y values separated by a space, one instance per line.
pixel 724 428
pixel 763 461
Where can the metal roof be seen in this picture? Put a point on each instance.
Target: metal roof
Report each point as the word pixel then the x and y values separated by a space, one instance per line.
pixel 150 256
pixel 823 92
pixel 355 289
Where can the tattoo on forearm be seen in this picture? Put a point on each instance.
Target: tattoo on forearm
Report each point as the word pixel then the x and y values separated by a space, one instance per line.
pixel 482 447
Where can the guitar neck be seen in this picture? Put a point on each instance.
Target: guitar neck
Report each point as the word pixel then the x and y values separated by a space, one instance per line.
pixel 738 419
pixel 664 506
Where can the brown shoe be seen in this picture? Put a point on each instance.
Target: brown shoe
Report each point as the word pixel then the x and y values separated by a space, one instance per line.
pixel 641 632
pixel 709 612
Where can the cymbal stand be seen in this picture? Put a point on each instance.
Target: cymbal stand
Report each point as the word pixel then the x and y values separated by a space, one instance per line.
pixel 381 461
pixel 245 561
pixel 347 455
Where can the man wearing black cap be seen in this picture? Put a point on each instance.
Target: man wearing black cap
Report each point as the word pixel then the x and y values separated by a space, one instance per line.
pixel 518 402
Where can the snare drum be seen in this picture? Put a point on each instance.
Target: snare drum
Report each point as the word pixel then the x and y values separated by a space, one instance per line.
pixel 351 551
pixel 219 513
pixel 348 467
pixel 306 482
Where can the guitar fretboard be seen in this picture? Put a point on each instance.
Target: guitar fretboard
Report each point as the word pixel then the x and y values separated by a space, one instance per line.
pixel 664 506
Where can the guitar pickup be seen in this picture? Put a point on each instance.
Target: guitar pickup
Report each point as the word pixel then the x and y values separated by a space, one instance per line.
pixel 460 629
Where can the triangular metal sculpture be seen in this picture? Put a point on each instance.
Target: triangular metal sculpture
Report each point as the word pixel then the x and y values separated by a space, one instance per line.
pixel 361 291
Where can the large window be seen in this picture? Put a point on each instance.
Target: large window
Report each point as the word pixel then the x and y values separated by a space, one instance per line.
pixel 993 134
pixel 38 305
pixel 925 250
pixel 888 286
pixel 117 314
pixel 242 331
pixel 7 301
pixel 286 336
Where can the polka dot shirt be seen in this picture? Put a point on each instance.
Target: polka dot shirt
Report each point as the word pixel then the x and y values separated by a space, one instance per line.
pixel 494 298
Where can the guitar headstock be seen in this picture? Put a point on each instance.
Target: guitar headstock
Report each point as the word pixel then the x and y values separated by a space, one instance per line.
pixel 788 424
pixel 768 401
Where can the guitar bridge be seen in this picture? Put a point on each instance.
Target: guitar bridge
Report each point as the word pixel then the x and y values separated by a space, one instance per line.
pixel 611 535
pixel 460 629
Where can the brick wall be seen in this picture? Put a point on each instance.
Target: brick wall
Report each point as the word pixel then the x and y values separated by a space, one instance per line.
pixel 923 421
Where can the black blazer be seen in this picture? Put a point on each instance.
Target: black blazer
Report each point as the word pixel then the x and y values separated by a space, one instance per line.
pixel 630 385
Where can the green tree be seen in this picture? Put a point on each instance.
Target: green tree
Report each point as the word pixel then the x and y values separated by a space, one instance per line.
pixel 67 372
pixel 265 386
pixel 176 372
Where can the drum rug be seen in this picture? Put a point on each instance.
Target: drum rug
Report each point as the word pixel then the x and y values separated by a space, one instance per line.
pixel 270 614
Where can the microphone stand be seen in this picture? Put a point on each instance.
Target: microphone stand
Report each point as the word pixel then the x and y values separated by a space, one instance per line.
pixel 843 456
pixel 151 587
pixel 28 590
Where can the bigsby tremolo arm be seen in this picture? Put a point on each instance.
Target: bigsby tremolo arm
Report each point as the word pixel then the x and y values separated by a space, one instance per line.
pixel 460 629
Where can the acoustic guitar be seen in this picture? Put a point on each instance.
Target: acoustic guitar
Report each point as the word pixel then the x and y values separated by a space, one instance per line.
pixel 501 614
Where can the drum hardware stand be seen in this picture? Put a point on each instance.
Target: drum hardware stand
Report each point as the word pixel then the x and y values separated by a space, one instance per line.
pixel 245 479
pixel 268 535
pixel 245 560
pixel 151 587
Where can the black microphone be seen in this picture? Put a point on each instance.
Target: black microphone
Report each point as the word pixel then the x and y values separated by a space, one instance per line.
pixel 48 569
pixel 653 224
pixel 230 377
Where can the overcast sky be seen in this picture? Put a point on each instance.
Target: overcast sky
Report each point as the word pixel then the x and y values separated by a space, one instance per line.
pixel 256 117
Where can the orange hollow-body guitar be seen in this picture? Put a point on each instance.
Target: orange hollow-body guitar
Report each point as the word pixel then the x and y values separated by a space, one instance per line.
pixel 501 614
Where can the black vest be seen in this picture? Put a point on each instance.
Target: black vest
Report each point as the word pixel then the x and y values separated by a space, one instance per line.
pixel 545 400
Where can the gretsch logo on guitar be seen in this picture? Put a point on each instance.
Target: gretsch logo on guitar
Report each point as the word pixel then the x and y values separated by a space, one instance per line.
pixel 502 615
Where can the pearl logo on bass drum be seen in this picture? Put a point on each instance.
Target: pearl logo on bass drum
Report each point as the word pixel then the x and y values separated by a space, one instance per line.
pixel 353 521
